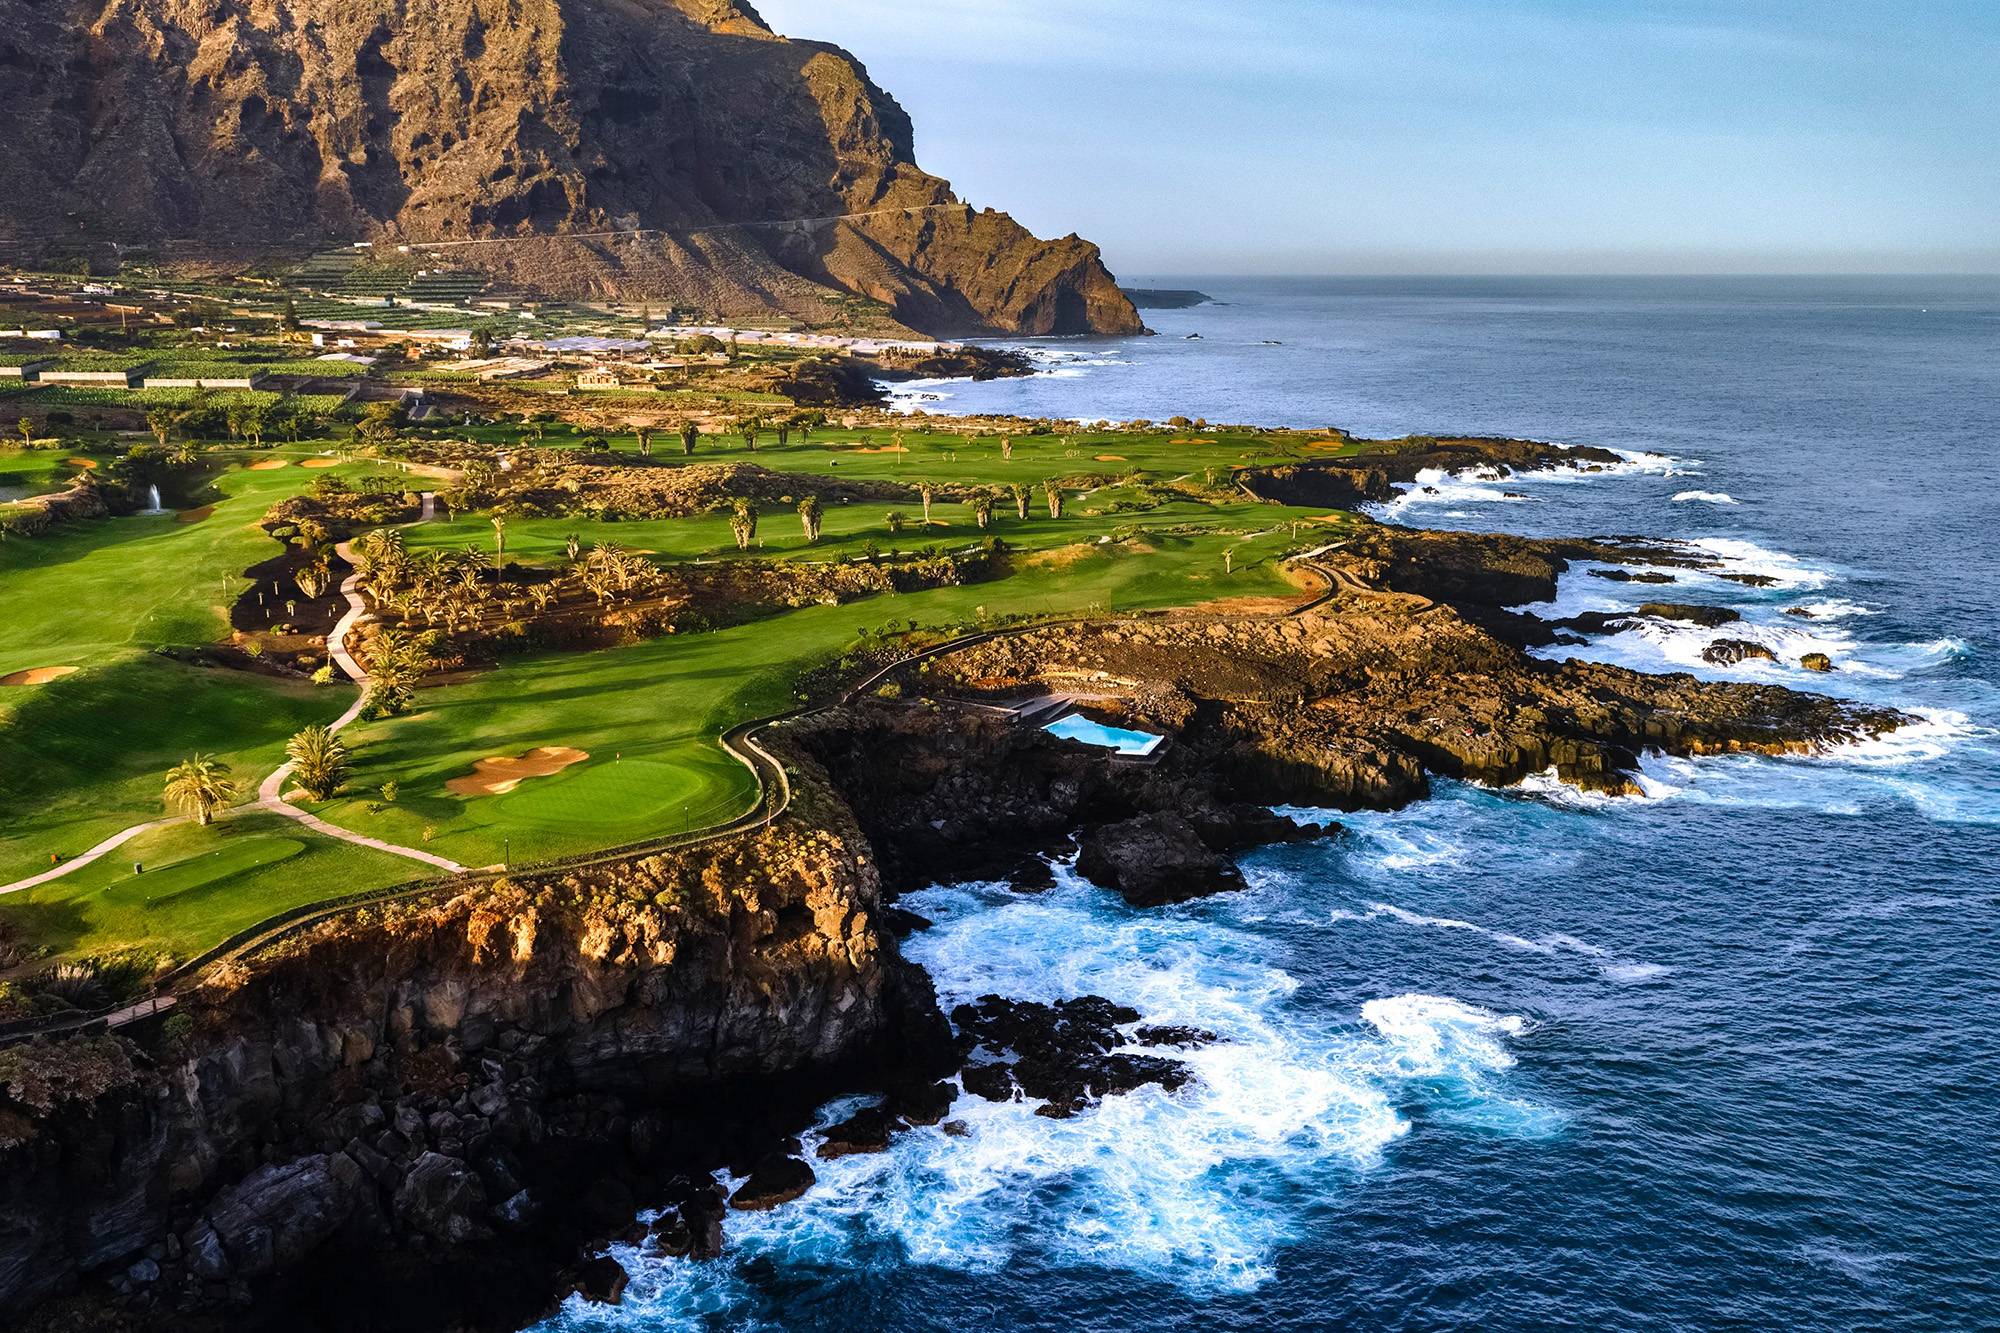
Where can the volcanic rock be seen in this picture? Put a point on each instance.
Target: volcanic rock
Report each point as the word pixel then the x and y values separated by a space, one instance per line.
pixel 1708 617
pixel 1816 662
pixel 602 1281
pixel 674 150
pixel 1728 652
pixel 866 1131
pixel 1154 859
pixel 776 1179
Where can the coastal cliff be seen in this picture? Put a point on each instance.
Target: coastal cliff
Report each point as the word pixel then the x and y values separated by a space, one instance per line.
pixel 672 150
pixel 468 1087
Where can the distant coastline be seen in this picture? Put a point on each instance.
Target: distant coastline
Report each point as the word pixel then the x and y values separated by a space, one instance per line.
pixel 1151 298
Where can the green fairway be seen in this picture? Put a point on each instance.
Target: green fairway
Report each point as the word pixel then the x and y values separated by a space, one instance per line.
pixel 649 715
pixel 85 755
pixel 200 885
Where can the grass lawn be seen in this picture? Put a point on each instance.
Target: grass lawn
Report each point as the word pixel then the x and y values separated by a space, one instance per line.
pixel 200 885
pixel 649 715
pixel 85 755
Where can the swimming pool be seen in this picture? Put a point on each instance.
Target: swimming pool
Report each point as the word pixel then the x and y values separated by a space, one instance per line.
pixel 1077 727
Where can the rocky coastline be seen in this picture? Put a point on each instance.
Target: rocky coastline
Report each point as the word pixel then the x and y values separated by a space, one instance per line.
pixel 441 1114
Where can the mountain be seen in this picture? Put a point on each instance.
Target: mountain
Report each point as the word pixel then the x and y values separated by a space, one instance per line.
pixel 674 150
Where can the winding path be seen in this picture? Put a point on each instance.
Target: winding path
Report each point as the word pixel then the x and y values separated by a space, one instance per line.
pixel 270 791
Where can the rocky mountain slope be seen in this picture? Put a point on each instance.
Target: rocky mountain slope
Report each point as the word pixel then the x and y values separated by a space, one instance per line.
pixel 667 149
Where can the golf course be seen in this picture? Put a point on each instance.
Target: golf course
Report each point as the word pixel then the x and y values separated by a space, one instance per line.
pixel 116 640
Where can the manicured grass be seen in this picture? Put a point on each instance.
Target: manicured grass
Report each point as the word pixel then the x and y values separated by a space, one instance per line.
pixel 200 885
pixel 649 715
pixel 85 755
pixel 90 592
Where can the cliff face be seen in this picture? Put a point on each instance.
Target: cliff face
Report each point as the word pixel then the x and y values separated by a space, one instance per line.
pixel 457 1082
pixel 672 149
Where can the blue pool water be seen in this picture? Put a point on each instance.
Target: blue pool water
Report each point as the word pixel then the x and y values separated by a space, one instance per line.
pixel 1722 1058
pixel 1077 727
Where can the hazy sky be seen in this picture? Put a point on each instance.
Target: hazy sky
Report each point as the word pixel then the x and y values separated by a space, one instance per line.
pixel 1319 136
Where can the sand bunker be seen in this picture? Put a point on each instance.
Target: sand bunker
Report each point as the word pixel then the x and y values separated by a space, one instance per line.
pixel 498 776
pixel 194 515
pixel 35 676
pixel 266 464
pixel 878 449
pixel 1193 441
pixel 1111 458
pixel 321 462
pixel 81 462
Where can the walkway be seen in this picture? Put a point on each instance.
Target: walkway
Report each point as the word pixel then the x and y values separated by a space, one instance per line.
pixel 270 791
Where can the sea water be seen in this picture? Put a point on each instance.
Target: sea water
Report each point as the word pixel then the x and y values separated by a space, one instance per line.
pixel 1724 1056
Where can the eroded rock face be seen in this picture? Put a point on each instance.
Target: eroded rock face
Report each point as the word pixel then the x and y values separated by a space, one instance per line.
pixel 1154 859
pixel 710 160
pixel 500 1068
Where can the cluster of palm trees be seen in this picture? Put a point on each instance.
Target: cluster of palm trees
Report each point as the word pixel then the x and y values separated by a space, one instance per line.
pixel 981 501
pixel 201 785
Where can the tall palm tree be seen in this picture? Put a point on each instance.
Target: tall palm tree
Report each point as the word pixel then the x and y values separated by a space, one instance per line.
pixel 319 762
pixel 926 490
pixel 1053 490
pixel 982 509
pixel 743 523
pixel 200 786
pixel 690 436
pixel 811 515
pixel 1020 493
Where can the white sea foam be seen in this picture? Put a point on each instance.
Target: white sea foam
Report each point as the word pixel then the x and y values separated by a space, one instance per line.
pixel 1604 960
pixel 1747 557
pixel 1198 1187
pixel 1705 497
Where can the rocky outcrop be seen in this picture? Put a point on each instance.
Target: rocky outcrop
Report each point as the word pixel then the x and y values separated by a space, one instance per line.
pixel 476 1085
pixel 665 149
pixel 1154 859
pixel 1373 475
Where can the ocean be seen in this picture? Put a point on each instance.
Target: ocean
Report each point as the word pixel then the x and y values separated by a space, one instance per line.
pixel 1721 1057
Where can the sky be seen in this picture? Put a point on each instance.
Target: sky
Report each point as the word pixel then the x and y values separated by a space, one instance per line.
pixel 1458 136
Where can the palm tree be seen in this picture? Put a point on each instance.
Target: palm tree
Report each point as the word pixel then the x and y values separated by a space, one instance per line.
pixel 925 489
pixel 690 436
pixel 1053 490
pixel 572 546
pixel 200 786
pixel 744 524
pixel 811 515
pixel 162 421
pixel 499 537
pixel 1006 447
pixel 982 509
pixel 749 432
pixel 313 581
pixel 319 762
pixel 895 520
pixel 395 666
pixel 1020 493
pixel 645 442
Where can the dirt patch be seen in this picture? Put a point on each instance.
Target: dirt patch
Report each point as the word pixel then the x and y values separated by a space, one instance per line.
pixel 36 675
pixel 269 464
pixel 498 776
pixel 194 515
pixel 321 462
pixel 1246 606
pixel 1062 557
